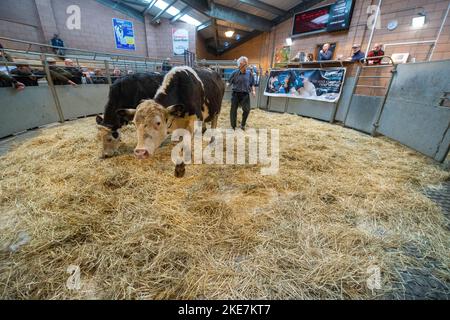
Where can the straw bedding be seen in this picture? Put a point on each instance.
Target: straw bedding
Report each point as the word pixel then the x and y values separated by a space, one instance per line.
pixel 341 203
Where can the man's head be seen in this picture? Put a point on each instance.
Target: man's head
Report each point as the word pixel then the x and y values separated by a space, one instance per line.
pixel 51 61
pixel 242 62
pixel 377 46
pixel 68 63
pixel 23 66
pixel 116 72
pixel 325 47
pixel 356 48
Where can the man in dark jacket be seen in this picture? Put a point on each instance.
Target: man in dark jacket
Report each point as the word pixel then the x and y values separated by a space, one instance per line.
pixel 58 44
pixel 325 54
pixel 357 53
pixel 242 82
pixel 59 75
pixel 25 75
pixel 76 73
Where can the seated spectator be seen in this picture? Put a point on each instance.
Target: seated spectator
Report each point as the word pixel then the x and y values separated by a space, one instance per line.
pixel 59 75
pixel 357 54
pixel 8 81
pixel 76 72
pixel 325 54
pixel 117 74
pixel 5 56
pixel 58 44
pixel 24 74
pixel 310 57
pixel 376 52
pixel 99 78
pixel 166 67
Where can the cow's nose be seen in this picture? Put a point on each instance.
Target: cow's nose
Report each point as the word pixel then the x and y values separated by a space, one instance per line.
pixel 141 153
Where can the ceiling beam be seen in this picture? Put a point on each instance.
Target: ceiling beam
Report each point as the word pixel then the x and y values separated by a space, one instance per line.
pixel 241 41
pixel 184 11
pixel 216 35
pixel 221 12
pixel 149 7
pixel 304 5
pixel 131 12
pixel 228 14
pixel 204 25
pixel 264 6
pixel 155 18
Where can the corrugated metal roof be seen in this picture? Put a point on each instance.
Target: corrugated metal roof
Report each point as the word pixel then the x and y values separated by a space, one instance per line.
pixel 236 4
pixel 282 4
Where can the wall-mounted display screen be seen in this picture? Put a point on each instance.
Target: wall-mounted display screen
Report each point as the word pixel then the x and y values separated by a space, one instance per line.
pixel 340 15
pixel 311 21
pixel 334 17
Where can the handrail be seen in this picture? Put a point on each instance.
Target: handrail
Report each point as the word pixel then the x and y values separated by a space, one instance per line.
pixel 365 60
pixel 94 53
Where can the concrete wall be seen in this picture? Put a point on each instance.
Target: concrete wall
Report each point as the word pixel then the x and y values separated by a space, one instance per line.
pixel 20 20
pixel 400 10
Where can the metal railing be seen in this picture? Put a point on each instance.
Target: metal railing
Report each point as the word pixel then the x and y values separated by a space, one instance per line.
pixel 364 64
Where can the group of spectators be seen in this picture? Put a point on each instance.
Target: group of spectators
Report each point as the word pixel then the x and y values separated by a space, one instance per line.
pixel 20 74
pixel 326 54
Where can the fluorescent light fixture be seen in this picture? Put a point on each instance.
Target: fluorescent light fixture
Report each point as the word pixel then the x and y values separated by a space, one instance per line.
pixel 289 41
pixel 174 11
pixel 188 19
pixel 418 22
pixel 229 33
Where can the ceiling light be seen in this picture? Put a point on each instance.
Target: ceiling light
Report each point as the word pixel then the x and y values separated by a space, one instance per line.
pixel 229 33
pixel 418 22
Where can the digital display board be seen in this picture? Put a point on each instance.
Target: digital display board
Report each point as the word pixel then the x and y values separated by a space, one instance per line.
pixel 340 15
pixel 334 17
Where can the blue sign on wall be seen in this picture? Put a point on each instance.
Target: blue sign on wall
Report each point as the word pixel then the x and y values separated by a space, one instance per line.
pixel 124 34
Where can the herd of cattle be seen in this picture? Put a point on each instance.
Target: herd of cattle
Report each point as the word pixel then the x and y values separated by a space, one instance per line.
pixel 159 105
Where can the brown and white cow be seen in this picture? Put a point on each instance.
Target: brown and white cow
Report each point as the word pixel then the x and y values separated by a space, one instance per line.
pixel 185 96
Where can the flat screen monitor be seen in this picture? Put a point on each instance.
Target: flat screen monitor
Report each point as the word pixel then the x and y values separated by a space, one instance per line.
pixel 333 17
pixel 315 20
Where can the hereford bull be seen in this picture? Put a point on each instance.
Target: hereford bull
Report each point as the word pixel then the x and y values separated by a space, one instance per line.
pixel 185 96
pixel 126 92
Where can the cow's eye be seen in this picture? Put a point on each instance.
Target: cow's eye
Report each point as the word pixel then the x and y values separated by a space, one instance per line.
pixel 158 123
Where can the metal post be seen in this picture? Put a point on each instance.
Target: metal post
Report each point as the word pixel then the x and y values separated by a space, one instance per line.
pixel 439 33
pixel 358 72
pixel 380 111
pixel 52 88
pixel 108 74
pixel 377 14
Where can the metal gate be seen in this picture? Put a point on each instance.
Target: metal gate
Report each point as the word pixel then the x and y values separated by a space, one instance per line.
pixel 417 109
pixel 372 85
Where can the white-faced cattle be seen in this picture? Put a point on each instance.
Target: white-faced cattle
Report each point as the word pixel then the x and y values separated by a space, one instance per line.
pixel 126 92
pixel 185 96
